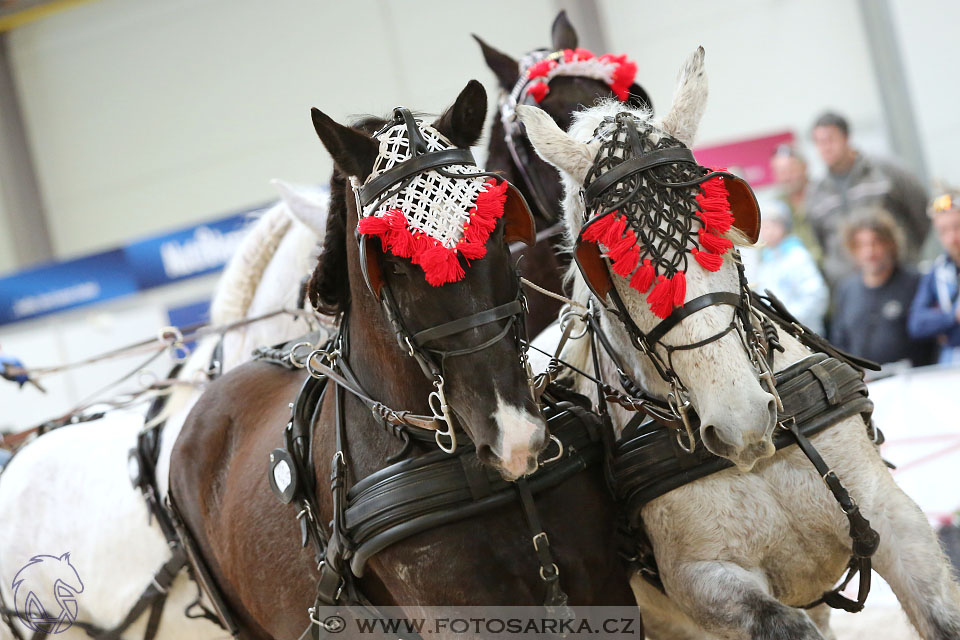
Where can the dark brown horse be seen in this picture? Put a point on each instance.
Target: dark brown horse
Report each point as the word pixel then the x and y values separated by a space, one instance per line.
pixel 545 262
pixel 251 542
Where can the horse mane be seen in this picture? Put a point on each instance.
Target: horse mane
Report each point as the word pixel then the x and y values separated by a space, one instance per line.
pixel 329 286
pixel 240 278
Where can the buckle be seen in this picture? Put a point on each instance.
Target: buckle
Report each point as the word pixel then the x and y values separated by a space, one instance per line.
pixel 537 538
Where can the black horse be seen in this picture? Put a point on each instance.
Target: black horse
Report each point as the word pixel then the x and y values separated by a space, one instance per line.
pixel 545 262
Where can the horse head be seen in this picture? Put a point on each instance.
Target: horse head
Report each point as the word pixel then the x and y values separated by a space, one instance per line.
pixel 559 80
pixel 655 236
pixel 420 245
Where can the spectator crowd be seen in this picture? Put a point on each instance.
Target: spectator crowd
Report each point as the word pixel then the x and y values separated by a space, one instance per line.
pixel 843 252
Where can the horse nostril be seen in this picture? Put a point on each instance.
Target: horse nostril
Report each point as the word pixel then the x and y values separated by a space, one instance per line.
pixel 708 434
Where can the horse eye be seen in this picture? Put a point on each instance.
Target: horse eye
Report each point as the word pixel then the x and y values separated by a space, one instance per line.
pixel 396 269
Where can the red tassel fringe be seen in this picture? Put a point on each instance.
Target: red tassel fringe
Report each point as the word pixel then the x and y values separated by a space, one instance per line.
pixel 440 264
pixel 714 208
pixel 620 242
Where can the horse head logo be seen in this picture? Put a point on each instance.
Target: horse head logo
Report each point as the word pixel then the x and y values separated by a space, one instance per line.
pixel 45 593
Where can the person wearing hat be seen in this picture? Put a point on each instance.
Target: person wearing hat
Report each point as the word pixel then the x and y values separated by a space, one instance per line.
pixel 782 264
pixel 935 312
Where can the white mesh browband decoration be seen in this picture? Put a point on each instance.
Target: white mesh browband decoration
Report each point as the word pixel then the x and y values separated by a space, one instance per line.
pixel 537 70
pixel 433 219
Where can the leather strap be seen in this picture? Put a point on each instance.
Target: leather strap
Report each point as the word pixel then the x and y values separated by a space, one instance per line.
pixel 556 599
pixel 512 308
pixel 373 189
pixel 690 308
pixel 634 165
pixel 864 538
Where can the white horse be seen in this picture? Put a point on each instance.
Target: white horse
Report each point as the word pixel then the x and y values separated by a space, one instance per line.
pixel 739 549
pixel 68 491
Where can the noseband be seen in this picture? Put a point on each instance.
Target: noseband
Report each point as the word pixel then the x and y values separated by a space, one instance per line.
pixel 431 359
pixel 624 179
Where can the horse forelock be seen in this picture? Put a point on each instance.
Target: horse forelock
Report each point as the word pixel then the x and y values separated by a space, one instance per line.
pixel 239 281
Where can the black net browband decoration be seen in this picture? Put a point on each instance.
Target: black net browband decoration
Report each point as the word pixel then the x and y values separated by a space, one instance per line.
pixel 649 205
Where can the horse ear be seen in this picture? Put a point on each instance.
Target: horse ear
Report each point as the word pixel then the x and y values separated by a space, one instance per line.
pixel 309 209
pixel 352 150
pixel 462 123
pixel 503 66
pixel 563 34
pixel 689 100
pixel 65 557
pixel 554 145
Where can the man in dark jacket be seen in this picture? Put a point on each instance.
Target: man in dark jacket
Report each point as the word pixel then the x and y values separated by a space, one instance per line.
pixel 870 307
pixel 853 182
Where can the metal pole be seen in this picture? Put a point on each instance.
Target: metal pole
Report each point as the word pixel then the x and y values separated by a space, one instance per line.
pixel 891 78
pixel 19 187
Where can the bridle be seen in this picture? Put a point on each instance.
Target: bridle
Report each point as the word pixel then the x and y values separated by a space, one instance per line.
pixel 431 359
pixel 606 193
pixel 516 138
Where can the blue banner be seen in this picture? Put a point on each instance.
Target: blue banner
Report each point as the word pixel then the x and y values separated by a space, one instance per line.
pixel 184 254
pixel 140 265
pixel 65 285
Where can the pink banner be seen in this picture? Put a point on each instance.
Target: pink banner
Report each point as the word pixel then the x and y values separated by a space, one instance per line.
pixel 749 159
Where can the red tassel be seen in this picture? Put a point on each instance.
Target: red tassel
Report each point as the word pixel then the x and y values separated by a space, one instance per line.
pixel 623 74
pixel 484 215
pixel 540 69
pixel 440 265
pixel 709 261
pixel 714 206
pixel 615 231
pixel 402 243
pixel 679 288
pixel 374 225
pixel 627 262
pixel 643 278
pixel 598 230
pixel 661 298
pixel 712 243
pixel 471 250
pixel 623 246
pixel 538 91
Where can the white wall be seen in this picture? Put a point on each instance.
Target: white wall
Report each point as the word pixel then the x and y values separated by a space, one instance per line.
pixel 144 116
pixel 927 31
pixel 772 64
pixel 148 115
